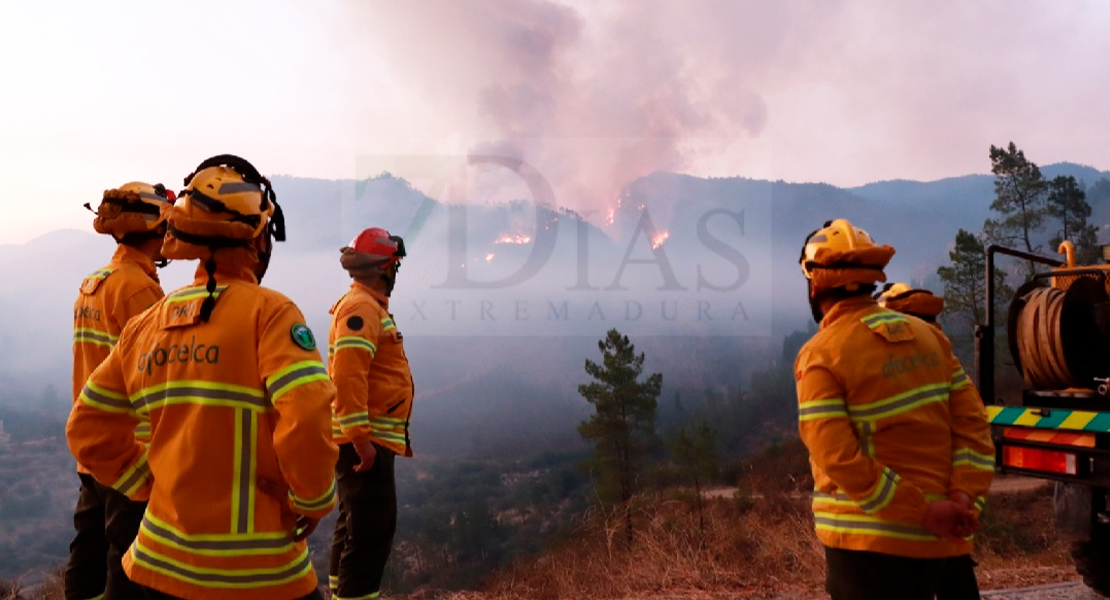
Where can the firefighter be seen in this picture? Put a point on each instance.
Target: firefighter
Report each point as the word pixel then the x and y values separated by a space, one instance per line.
pixel 898 438
pixel 107 521
pixel 957 580
pixel 372 408
pixel 239 467
pixel 911 301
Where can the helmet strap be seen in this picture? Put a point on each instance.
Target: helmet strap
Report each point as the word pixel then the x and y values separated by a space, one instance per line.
pixel 209 303
pixel 389 276
pixel 264 255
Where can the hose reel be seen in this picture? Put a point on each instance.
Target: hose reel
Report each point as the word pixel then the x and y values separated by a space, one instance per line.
pixel 1058 336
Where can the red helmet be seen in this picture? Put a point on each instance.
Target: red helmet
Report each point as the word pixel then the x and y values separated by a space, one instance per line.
pixel 379 245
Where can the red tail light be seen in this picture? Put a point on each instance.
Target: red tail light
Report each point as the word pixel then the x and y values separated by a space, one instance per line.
pixel 1035 459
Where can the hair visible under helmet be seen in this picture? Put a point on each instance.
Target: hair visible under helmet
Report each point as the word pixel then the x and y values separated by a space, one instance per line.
pixel 374 253
pixel 226 204
pixel 911 301
pixel 841 260
pixel 132 213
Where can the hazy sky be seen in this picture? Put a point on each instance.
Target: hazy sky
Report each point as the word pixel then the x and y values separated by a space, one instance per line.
pixel 593 94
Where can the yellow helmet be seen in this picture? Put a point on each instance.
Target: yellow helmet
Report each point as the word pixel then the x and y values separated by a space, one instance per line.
pixel 830 242
pixel 912 301
pixel 893 291
pixel 132 208
pixel 225 203
pixel 841 255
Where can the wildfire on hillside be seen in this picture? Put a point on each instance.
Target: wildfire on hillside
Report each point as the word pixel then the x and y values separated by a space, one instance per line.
pixel 489 256
pixel 658 239
pixel 513 238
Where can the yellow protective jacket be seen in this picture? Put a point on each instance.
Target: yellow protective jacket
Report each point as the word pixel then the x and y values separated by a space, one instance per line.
pixel 240 398
pixel 108 299
pixel 892 423
pixel 366 359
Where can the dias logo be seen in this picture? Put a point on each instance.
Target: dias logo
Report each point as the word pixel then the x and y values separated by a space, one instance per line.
pixel 178 353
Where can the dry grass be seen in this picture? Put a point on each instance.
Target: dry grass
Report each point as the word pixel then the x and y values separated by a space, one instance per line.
pixel 51 588
pixel 741 553
pixel 751 549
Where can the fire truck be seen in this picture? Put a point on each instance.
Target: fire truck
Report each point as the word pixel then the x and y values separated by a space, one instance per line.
pixel 1058 426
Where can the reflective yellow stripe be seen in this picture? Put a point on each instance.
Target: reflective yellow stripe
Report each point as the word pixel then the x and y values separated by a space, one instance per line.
pixel 960 379
pixel 883 494
pixel 325 500
pixel 366 597
pixel 88 335
pixel 354 342
pixel 869 526
pixel 843 500
pixel 882 317
pixel 207 393
pixel 192 293
pixel 243 472
pixel 354 419
pixel 227 544
pixel 295 375
pixel 829 408
pixel 142 431
pixel 966 457
pixel 105 399
pixel 900 403
pixel 388 324
pixel 221 578
pixel 134 477
pixel 394 437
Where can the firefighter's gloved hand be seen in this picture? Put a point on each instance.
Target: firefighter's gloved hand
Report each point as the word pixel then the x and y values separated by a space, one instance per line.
pixel 367 454
pixel 947 519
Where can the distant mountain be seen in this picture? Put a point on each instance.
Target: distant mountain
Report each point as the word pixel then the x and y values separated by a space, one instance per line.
pixel 501 304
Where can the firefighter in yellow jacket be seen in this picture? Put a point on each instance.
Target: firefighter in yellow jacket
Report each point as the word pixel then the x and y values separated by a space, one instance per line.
pixel 898 437
pixel 957 580
pixel 239 467
pixel 107 521
pixel 372 408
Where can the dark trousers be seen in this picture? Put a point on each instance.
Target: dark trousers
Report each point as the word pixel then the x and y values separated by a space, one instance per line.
pixel 367 520
pixel 858 575
pixel 957 579
pixel 156 595
pixel 106 522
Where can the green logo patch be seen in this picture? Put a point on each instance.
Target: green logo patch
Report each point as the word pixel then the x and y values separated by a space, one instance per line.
pixel 302 336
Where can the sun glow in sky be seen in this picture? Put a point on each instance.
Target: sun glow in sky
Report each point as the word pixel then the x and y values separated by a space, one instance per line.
pixel 594 94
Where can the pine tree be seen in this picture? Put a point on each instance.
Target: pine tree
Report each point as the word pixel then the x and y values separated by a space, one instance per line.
pixel 623 423
pixel 1020 200
pixel 965 286
pixel 1067 202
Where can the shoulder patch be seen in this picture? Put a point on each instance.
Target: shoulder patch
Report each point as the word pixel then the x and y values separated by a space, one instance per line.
pixel 302 336
pixel 90 283
pixel 889 325
pixel 355 323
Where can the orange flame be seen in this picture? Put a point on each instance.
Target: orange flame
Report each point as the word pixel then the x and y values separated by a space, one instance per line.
pixel 517 238
pixel 658 239
pixel 489 256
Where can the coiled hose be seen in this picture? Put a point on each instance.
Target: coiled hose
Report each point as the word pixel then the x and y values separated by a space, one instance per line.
pixel 1040 340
